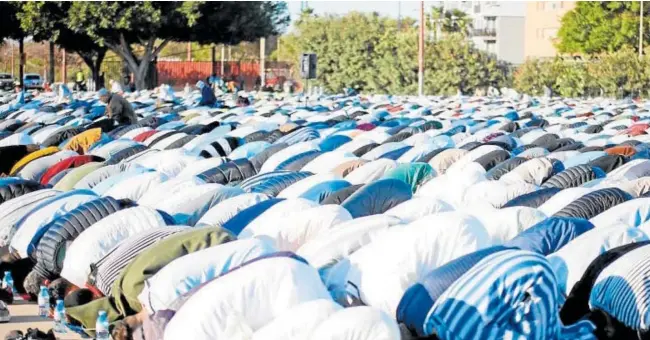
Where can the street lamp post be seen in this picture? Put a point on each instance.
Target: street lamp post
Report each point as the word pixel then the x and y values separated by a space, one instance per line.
pixel 641 31
pixel 13 63
pixel 421 52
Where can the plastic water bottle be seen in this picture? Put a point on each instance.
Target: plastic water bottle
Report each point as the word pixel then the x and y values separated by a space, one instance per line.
pixel 8 284
pixel 101 327
pixel 43 302
pixel 59 317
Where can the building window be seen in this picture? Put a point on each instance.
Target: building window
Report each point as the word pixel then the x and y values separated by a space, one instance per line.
pixel 551 5
pixel 490 46
pixel 549 33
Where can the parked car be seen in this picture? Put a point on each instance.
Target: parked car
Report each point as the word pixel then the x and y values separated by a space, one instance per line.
pixel 6 81
pixel 33 81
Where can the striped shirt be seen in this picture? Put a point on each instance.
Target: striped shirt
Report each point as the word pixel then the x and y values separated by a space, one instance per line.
pixel 507 295
pixel 252 181
pixel 622 289
pixel 222 147
pixel 108 269
pixel 14 210
pixel 302 135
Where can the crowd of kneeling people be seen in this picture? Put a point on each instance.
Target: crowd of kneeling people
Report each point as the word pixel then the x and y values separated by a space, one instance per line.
pixel 286 224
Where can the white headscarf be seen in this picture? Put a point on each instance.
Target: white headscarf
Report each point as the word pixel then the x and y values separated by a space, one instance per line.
pixel 65 94
pixel 166 93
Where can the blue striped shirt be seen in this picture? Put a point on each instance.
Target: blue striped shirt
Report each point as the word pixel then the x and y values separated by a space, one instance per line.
pixel 507 295
pixel 622 289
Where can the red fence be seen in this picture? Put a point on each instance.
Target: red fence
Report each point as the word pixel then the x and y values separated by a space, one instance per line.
pixel 177 73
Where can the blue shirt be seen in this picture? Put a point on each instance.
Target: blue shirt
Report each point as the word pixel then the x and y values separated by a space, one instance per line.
pixel 207 97
pixel 19 101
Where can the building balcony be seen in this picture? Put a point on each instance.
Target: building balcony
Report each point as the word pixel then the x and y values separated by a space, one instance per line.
pixel 484 32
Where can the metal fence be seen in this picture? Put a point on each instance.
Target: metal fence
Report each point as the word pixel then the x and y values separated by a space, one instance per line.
pixel 178 73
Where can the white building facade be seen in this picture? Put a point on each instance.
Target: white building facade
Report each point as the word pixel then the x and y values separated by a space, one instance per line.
pixel 498 27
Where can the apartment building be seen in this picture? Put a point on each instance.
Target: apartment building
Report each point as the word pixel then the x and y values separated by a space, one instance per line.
pixel 498 26
pixel 543 20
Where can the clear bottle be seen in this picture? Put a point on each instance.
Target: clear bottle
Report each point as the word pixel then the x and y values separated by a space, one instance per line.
pixel 8 284
pixel 43 302
pixel 101 327
pixel 59 317
pixel 7 280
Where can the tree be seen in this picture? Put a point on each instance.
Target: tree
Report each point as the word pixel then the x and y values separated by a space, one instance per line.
pixel 48 21
pixel 396 67
pixel 536 74
pixel 595 27
pixel 10 28
pixel 454 64
pixel 617 74
pixel 454 21
pixel 150 26
pixel 355 50
pixel 367 52
pixel 620 74
pixel 9 23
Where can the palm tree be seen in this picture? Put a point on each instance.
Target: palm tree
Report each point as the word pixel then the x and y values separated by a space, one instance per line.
pixel 454 21
pixel 459 22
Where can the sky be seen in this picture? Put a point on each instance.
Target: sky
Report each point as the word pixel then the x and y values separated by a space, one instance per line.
pixel 388 8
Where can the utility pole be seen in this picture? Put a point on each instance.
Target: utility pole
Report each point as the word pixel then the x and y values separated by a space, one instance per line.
pixel 223 59
pixel 641 31
pixel 189 51
pixel 263 61
pixel 13 62
pixel 421 52
pixel 213 60
pixel 50 75
pixel 63 67
pixel 21 65
pixel 399 16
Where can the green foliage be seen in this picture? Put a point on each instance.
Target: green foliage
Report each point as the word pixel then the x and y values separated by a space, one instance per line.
pixel 454 21
pixel 9 23
pixel 49 21
pixel 454 64
pixel 368 52
pixel 573 79
pixel 601 26
pixel 618 74
pixel 536 74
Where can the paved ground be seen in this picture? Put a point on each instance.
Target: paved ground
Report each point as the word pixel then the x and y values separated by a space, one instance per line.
pixel 25 315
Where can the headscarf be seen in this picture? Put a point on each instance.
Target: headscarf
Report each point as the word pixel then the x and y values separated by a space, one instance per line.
pixel 65 94
pixel 166 93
